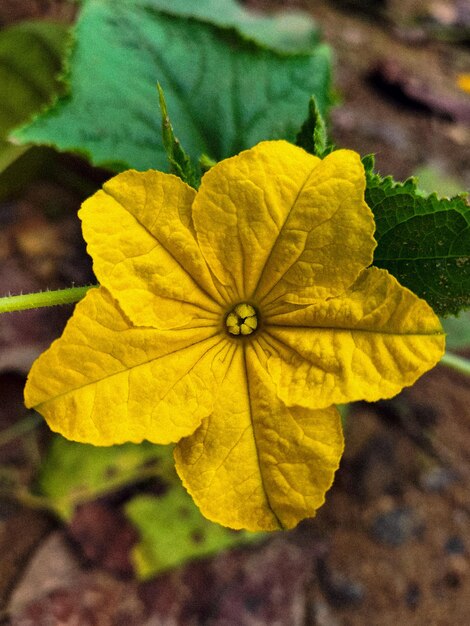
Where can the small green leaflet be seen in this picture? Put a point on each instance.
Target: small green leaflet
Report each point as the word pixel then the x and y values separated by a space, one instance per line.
pixel 223 93
pixel 30 60
pixel 289 32
pixel 422 240
pixel 180 163
pixel 313 136
pixel 173 531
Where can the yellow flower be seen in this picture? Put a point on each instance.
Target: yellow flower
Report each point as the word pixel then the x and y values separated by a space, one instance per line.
pixel 230 321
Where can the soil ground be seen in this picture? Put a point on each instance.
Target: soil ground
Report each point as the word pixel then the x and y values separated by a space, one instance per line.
pixel 391 545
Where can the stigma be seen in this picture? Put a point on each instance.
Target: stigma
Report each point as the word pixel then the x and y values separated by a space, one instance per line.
pixel 242 320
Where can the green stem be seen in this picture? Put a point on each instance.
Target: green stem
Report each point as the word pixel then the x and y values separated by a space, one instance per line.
pixel 42 298
pixel 457 363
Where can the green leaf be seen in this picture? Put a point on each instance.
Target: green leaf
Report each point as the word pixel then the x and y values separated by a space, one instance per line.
pixel 422 240
pixel 72 473
pixel 30 60
pixel 224 93
pixel 180 163
pixel 291 32
pixel 173 531
pixel 313 136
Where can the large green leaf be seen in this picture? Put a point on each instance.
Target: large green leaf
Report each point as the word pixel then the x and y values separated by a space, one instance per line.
pixel 173 531
pixel 223 93
pixel 30 60
pixel 73 473
pixel 286 32
pixel 423 241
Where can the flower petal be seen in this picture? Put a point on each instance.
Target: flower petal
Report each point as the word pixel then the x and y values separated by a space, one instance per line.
pixel 274 219
pixel 364 345
pixel 140 235
pixel 255 463
pixel 105 381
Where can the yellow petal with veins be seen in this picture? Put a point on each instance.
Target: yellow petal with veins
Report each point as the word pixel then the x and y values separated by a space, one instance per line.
pixel 364 345
pixel 140 235
pixel 255 463
pixel 275 219
pixel 106 382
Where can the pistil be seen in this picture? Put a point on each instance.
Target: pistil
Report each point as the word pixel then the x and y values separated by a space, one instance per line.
pixel 242 320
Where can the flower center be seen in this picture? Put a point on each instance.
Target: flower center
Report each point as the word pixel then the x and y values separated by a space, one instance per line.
pixel 242 319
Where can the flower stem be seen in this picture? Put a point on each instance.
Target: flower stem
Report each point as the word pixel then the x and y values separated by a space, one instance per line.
pixel 42 298
pixel 457 363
